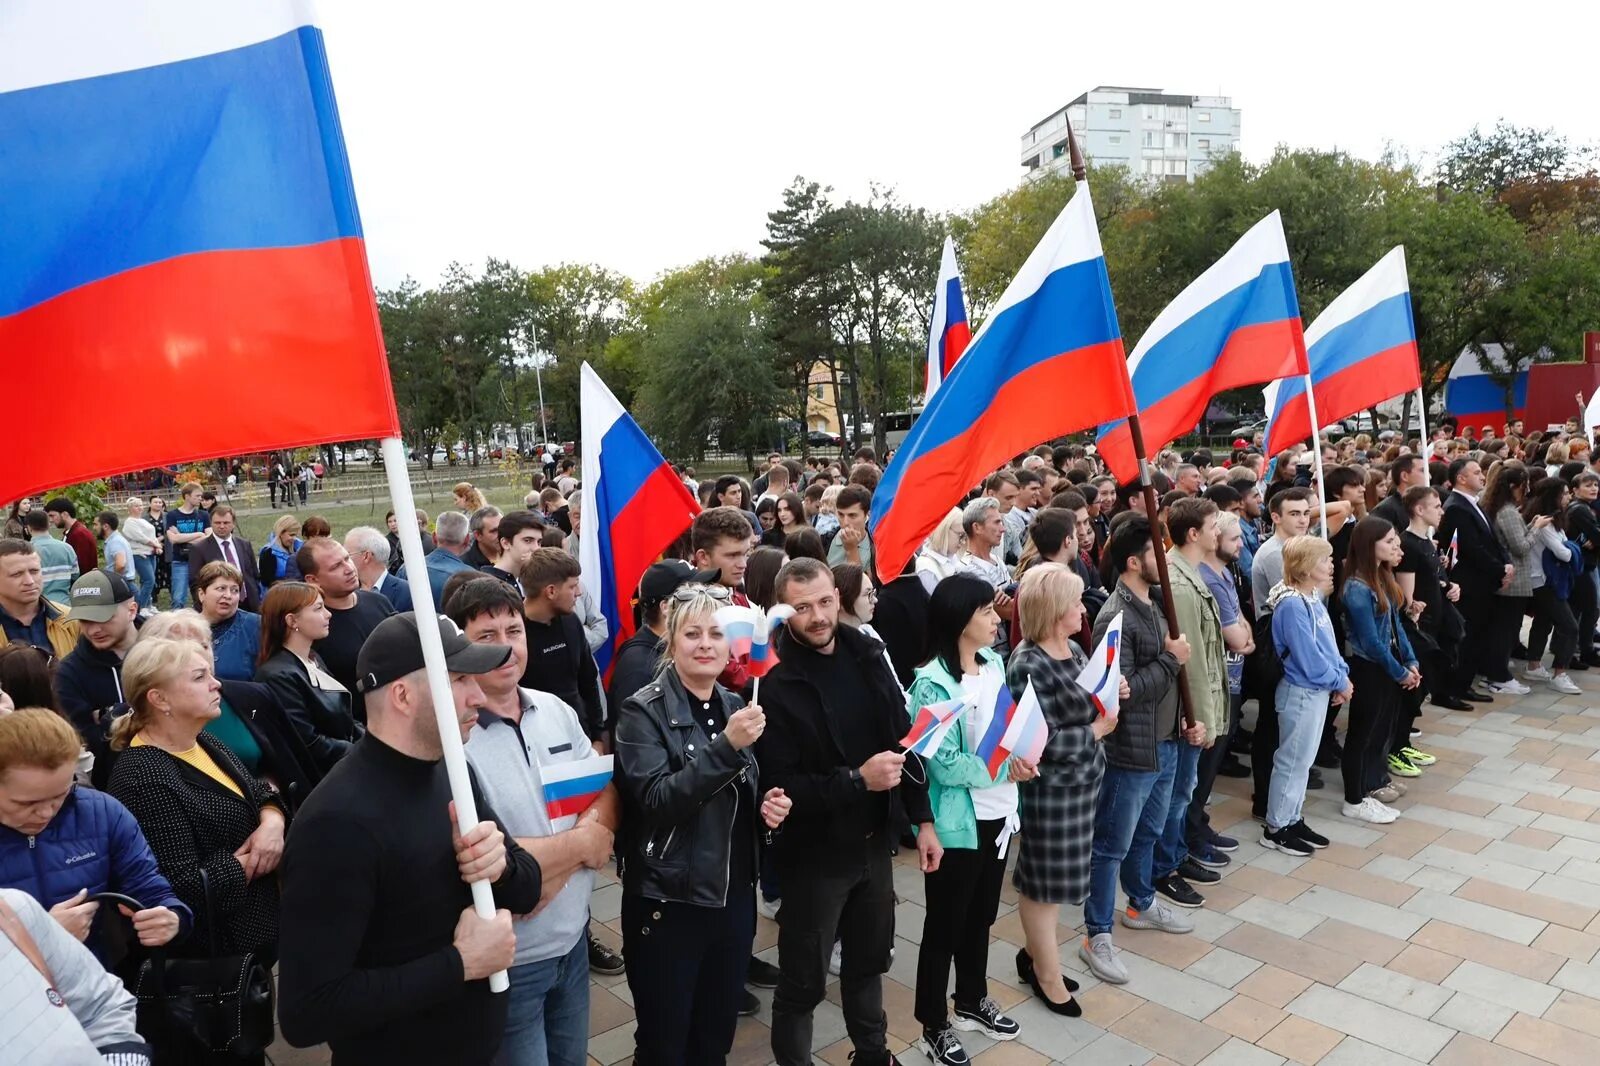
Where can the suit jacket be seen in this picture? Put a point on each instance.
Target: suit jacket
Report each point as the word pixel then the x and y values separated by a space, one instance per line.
pixel 396 591
pixel 207 550
pixel 1480 557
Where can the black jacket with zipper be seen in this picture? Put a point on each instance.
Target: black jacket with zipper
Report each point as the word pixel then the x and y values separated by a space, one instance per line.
pixel 324 720
pixel 88 685
pixel 681 792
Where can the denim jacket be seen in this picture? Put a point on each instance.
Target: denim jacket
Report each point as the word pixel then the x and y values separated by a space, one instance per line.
pixel 1370 636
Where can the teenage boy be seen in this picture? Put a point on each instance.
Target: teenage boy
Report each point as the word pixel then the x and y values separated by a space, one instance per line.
pixel 184 525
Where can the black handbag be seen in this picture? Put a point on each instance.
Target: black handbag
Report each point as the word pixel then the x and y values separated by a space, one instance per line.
pixel 220 1004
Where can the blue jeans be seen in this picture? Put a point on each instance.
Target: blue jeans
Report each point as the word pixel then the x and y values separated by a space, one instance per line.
pixel 144 567
pixel 1301 712
pixel 1173 847
pixel 547 1016
pixel 1128 818
pixel 180 584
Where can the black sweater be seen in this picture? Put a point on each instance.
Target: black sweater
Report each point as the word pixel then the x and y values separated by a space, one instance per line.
pixel 371 898
pixel 560 663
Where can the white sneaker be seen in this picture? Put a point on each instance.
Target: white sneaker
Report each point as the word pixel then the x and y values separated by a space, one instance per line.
pixel 1392 812
pixel 1508 688
pixel 1564 683
pixel 1537 673
pixel 767 908
pixel 833 959
pixel 1369 810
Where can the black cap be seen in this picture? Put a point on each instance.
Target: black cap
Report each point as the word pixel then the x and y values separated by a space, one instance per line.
pixel 394 649
pixel 664 578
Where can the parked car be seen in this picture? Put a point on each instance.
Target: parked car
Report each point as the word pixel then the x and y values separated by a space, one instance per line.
pixel 821 438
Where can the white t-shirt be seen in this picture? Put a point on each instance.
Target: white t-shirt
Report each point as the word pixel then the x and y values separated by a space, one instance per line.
pixel 1000 799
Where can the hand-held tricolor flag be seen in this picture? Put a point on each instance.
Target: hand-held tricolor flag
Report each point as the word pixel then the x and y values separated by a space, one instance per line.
pixel 948 332
pixel 634 506
pixel 179 216
pixel 1047 361
pixel 931 724
pixel 1236 324
pixel 1101 676
pixel 989 717
pixel 1026 735
pixel 1362 350
pixel 570 787
pixel 749 634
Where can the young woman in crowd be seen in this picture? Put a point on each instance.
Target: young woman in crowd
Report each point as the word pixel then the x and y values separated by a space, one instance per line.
pixel 1433 625
pixel 1314 673
pixel 293 618
pixel 760 575
pixel 467 497
pixel 767 518
pixel 693 823
pixel 803 544
pixel 1504 491
pixel 937 559
pixel 156 514
pixel 1382 667
pixel 235 634
pixel 975 814
pixel 1553 581
pixel 277 562
pixel 1058 806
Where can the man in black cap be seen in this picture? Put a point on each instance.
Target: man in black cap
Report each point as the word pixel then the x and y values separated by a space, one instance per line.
pixel 381 954
pixel 89 681
pixel 639 657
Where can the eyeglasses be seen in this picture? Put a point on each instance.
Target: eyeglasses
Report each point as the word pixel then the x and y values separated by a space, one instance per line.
pixel 693 591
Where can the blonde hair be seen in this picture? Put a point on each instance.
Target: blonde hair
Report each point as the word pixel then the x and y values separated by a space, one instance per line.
pixel 1301 556
pixel 151 664
pixel 1046 593
pixel 184 624
pixel 830 499
pixel 1227 521
pixel 680 611
pixel 947 536
pixel 37 738
pixel 468 493
pixel 288 521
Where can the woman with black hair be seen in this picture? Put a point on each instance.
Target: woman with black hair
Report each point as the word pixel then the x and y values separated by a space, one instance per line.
pixel 974 814
pixel 1505 490
pixel 1552 580
pixel 767 522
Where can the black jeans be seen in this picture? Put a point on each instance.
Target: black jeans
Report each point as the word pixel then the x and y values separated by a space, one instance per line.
pixel 1478 609
pixel 686 970
pixel 1585 604
pixel 963 897
pixel 1198 822
pixel 851 897
pixel 1373 710
pixel 1263 746
pixel 1552 618
pixel 1505 626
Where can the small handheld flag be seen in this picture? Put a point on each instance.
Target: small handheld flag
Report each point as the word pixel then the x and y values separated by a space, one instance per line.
pixel 738 624
pixel 1101 678
pixel 763 656
pixel 1025 736
pixel 932 724
pixel 991 717
pixel 570 787
pixel 1454 551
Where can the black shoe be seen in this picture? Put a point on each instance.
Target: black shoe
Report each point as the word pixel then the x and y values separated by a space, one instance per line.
pixel 1190 870
pixel 1285 841
pixel 750 1006
pixel 1305 833
pixel 762 974
pixel 1592 660
pixel 1417 732
pixel 1206 855
pixel 1328 758
pixel 1178 891
pixel 1220 842
pixel 1232 767
pixel 1450 703
pixel 1477 697
pixel 1242 741
pixel 1578 664
pixel 943 1047
pixel 985 1018
pixel 1314 781
pixel 1025 970
pixel 603 960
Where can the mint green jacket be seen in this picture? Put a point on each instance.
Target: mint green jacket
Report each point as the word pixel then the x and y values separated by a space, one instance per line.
pixel 954 771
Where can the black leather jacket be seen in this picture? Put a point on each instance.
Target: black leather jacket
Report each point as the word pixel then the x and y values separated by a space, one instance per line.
pixel 680 794
pixel 324 720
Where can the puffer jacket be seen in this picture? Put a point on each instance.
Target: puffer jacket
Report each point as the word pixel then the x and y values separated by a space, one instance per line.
pixel 1152 674
pixel 92 843
pixel 681 793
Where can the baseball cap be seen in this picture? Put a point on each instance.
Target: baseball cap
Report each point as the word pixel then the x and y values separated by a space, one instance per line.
pixel 95 595
pixel 394 649
pixel 664 578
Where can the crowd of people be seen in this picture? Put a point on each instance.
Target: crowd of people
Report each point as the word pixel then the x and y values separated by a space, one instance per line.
pixel 253 776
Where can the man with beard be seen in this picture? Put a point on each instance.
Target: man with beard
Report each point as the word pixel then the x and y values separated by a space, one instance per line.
pixel 834 717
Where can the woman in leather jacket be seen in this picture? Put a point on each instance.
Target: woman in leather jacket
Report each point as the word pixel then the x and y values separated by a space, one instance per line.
pixel 693 827
pixel 292 618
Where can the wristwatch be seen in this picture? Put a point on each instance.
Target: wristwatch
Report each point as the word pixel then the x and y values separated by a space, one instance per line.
pixel 856 779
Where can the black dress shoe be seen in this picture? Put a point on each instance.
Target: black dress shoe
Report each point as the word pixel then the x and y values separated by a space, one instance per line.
pixel 750 1006
pixel 1070 1008
pixel 1450 703
pixel 762 974
pixel 1477 697
pixel 1314 780
pixel 1328 759
pixel 1025 970
pixel 1232 767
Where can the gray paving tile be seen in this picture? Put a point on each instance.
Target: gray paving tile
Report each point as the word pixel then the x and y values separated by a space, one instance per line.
pixel 1560 887
pixel 1461 862
pixel 1473 1016
pixel 1483 790
pixel 1238 1053
pixel 1467 823
pixel 1210 925
pixel 1397 990
pixel 1279 917
pixel 1517 928
pixel 1353 1052
pixel 1580 977
pixel 1374 1023
pixel 1109 1050
pixel 1497 986
pixel 1522 855
pixel 1223 967
pixel 1173 989
pixel 1569 827
pixel 1363 913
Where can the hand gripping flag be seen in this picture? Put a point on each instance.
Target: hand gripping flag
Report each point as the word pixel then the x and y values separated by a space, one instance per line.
pixel 1101 677
pixel 1237 324
pixel 1048 361
pixel 1362 350
pixel 1026 735
pixel 570 787
pixel 948 332
pixel 634 506
pixel 179 218
pixel 990 717
pixel 931 725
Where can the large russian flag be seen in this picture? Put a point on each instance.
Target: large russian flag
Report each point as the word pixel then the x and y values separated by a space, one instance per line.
pixel 1474 398
pixel 1362 350
pixel 180 233
pixel 1236 324
pixel 634 506
pixel 1047 361
pixel 948 332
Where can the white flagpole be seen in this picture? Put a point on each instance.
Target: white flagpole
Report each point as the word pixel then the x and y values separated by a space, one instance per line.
pixel 444 704
pixel 1422 421
pixel 1316 453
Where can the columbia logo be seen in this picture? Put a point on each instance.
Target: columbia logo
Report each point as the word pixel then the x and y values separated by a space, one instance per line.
pixel 80 857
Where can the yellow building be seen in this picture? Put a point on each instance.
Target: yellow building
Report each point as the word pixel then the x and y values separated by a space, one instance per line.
pixel 822 407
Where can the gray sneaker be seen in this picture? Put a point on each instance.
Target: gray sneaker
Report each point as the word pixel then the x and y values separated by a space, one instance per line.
pixel 1100 955
pixel 1157 916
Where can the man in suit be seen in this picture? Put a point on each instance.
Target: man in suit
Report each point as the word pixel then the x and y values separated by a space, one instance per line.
pixel 226 545
pixel 1480 566
pixel 370 550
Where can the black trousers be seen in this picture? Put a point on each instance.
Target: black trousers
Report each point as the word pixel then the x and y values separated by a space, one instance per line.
pixel 1478 609
pixel 1198 823
pixel 1263 746
pixel 1373 710
pixel 963 897
pixel 1553 622
pixel 1505 626
pixel 851 897
pixel 686 970
pixel 1585 604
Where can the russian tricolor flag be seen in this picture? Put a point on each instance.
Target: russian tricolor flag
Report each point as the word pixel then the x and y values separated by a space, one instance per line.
pixel 179 221
pixel 1237 324
pixel 1473 397
pixel 990 718
pixel 634 507
pixel 1047 361
pixel 930 726
pixel 948 332
pixel 570 787
pixel 1362 350
pixel 749 634
pixel 1101 676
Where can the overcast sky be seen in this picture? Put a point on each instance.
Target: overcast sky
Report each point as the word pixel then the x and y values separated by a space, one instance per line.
pixel 646 136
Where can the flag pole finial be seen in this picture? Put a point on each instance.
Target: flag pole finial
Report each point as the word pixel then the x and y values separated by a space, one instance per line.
pixel 1080 170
